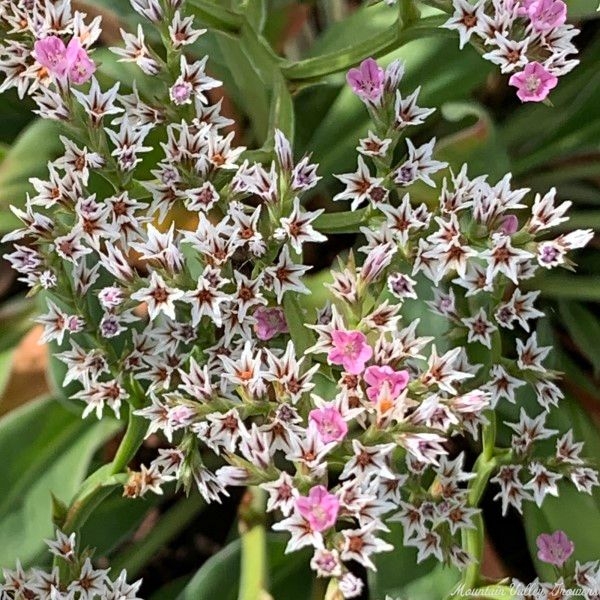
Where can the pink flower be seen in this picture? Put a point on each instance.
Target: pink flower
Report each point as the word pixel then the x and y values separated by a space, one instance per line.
pixel 546 15
pixel 319 508
pixel 522 8
pixel 533 83
pixel 367 81
pixel 509 225
pixel 330 423
pixel 81 66
pixel 554 548
pixel 376 377
pixel 51 53
pixel 181 92
pixel 350 349
pixel 269 322
pixel 61 60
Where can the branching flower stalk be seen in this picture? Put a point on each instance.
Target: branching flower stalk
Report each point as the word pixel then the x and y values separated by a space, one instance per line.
pixel 171 262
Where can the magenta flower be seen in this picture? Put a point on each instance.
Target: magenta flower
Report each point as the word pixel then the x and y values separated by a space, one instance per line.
pixel 376 377
pixel 330 424
pixel 554 548
pixel 510 225
pixel 546 15
pixel 367 81
pixel 269 322
pixel 51 53
pixel 60 60
pixel 81 66
pixel 522 8
pixel 350 349
pixel 319 508
pixel 533 83
pixel 182 92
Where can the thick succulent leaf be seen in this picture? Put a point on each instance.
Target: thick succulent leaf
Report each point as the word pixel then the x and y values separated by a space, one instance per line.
pixel 289 575
pixel 124 515
pixel 399 576
pixel 584 329
pixel 26 158
pixel 477 145
pixel 45 450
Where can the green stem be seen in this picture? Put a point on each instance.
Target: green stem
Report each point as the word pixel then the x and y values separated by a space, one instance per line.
pixel 472 539
pixel 253 576
pixel 82 508
pixel 485 465
pixel 390 39
pixel 408 13
pixel 101 483
pixel 472 542
pixel 319 588
pixel 131 442
pixel 488 436
pixel 168 527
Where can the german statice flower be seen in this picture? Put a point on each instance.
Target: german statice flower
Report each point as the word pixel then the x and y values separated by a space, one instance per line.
pixel 343 414
pixel 79 580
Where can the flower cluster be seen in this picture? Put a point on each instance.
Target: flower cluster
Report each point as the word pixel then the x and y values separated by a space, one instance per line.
pixel 529 39
pixel 60 53
pixel 179 296
pixel 71 578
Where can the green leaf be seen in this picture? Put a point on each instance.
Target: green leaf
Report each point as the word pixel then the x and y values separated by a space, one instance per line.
pixel 582 9
pixel 45 450
pixel 171 590
pixel 289 576
pixel 584 328
pixel 15 320
pixel 124 515
pixel 341 222
pixel 368 32
pixel 576 379
pixel 282 109
pixel 250 87
pixel 478 145
pixel 399 575
pixel 171 523
pixel 255 12
pixel 433 586
pixel 301 336
pixel 364 24
pixel 215 16
pixel 28 157
pixel 5 368
pixel 577 287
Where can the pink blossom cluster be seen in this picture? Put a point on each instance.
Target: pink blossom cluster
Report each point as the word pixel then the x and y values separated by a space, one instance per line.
pixel 60 52
pixel 70 61
pixel 343 414
pixel 528 39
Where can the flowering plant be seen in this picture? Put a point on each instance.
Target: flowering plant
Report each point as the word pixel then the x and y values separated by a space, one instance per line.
pixel 179 298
